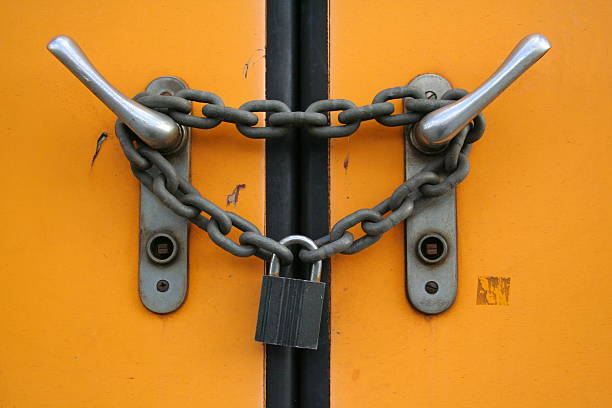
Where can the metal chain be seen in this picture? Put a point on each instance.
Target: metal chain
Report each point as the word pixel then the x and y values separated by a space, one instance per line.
pixel 157 174
pixel 315 119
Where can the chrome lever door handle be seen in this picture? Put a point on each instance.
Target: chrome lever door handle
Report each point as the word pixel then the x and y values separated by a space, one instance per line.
pixel 437 128
pixel 155 129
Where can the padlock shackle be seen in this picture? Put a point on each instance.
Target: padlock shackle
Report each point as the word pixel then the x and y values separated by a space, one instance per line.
pixel 315 269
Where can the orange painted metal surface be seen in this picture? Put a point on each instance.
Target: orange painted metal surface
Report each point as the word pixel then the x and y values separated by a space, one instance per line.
pixel 536 209
pixel 74 333
pixel 535 212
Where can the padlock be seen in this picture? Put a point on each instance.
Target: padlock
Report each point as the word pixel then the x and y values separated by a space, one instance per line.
pixel 290 309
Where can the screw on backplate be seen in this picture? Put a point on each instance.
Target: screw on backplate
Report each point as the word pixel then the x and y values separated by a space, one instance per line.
pixel 431 95
pixel 431 287
pixel 162 285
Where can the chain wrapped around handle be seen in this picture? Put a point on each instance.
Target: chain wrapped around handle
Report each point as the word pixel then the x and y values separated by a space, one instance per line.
pixel 443 173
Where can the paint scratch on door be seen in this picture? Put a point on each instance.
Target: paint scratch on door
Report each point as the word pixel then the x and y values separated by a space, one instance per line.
pixel 101 140
pixel 253 59
pixel 493 290
pixel 233 197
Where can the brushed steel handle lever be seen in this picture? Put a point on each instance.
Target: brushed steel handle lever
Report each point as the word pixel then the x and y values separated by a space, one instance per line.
pixel 155 129
pixel 436 129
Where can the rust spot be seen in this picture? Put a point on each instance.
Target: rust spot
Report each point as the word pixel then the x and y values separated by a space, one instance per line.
pixel 233 197
pixel 346 162
pixel 493 290
pixel 101 140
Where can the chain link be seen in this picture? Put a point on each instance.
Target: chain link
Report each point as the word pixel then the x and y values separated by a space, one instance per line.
pixel 438 177
pixel 315 120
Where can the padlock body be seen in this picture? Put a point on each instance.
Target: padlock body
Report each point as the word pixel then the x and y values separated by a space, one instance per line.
pixel 290 312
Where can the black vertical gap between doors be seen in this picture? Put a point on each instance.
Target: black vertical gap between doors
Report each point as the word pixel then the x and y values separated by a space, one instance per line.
pixel 313 365
pixel 282 182
pixel 297 187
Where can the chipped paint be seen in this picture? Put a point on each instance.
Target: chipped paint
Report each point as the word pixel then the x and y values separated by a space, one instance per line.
pixel 253 59
pixel 346 162
pixel 233 197
pixel 101 140
pixel 493 290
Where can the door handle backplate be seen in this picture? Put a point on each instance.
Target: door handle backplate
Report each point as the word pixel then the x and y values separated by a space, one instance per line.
pixel 164 236
pixel 431 277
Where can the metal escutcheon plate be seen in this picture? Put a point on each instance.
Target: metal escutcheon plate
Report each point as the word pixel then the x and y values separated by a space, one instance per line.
pixel 164 236
pixel 431 287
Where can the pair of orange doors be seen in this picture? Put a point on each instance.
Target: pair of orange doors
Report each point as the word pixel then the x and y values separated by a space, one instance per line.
pixel 535 209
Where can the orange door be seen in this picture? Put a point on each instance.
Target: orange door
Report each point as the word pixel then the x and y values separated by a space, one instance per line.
pixel 535 209
pixel 74 332
pixel 534 213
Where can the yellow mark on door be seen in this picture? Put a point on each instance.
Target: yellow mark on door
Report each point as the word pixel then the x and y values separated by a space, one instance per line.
pixel 493 290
